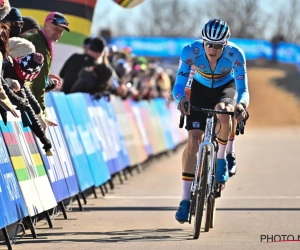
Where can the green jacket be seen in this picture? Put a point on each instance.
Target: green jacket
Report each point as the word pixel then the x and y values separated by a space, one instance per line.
pixel 39 84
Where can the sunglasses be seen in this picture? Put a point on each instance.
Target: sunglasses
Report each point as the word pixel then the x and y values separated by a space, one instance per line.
pixel 58 20
pixel 213 45
pixel 15 23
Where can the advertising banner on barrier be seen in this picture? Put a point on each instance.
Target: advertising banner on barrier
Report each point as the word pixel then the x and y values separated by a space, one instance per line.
pixel 3 222
pixel 61 156
pixel 161 107
pixel 176 133
pixel 126 130
pixel 157 127
pixel 140 148
pixel 176 118
pixel 55 173
pixel 123 154
pixel 40 179
pixel 102 132
pixel 91 146
pixel 115 134
pixel 71 136
pixel 147 121
pixel 30 173
pixel 142 127
pixel 12 205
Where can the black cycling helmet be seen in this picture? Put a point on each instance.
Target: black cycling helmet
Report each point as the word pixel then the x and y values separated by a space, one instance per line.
pixel 216 30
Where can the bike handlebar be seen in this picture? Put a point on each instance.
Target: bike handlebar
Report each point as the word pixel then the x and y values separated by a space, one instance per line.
pixel 212 111
pixel 240 129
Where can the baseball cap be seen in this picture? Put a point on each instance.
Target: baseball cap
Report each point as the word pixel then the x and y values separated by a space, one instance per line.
pixel 97 44
pixel 57 19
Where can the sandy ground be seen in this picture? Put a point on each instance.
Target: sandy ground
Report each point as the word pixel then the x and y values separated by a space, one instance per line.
pixel 269 104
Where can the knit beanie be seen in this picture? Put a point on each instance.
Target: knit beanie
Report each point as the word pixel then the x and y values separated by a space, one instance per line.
pixel 29 23
pixel 29 67
pixel 19 47
pixel 4 8
pixel 13 16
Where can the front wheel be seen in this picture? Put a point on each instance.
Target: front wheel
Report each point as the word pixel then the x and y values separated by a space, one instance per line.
pixel 201 193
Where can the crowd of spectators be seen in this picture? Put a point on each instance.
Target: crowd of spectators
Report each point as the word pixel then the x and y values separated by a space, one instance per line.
pixel 102 69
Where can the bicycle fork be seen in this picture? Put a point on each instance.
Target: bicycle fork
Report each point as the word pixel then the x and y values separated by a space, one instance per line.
pixel 208 143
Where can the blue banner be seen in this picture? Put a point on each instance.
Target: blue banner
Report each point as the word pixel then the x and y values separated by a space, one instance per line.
pixel 124 151
pixel 12 205
pixel 255 49
pixel 120 162
pixel 153 46
pixel 100 132
pixel 288 53
pixel 3 222
pixel 172 47
pixel 93 150
pixel 60 151
pixel 138 116
pixel 161 108
pixel 70 133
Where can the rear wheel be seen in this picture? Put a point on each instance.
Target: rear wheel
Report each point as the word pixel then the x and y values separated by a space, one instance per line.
pixel 192 209
pixel 213 214
pixel 208 213
pixel 201 193
pixel 215 194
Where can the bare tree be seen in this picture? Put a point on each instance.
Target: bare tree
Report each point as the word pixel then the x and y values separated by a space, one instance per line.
pixel 169 18
pixel 288 22
pixel 246 18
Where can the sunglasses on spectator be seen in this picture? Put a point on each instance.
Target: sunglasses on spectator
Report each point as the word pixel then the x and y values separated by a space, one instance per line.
pixel 58 20
pixel 15 23
pixel 213 45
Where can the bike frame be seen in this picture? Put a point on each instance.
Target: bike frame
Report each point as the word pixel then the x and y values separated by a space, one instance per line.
pixel 208 141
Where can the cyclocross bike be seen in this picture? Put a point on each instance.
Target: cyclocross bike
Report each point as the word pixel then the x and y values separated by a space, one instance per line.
pixel 206 189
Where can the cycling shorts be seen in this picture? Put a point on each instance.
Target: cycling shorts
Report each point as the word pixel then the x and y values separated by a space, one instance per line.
pixel 204 97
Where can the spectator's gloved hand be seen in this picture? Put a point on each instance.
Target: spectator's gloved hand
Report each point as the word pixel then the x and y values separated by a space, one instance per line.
pixel 14 84
pixel 57 80
pixel 50 86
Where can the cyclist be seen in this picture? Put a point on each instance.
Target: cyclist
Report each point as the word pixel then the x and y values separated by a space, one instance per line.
pixel 215 70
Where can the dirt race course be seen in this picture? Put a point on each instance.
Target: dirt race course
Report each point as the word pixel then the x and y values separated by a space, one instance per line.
pixel 270 104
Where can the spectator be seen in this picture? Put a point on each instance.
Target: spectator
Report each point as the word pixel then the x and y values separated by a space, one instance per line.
pixel 4 36
pixel 120 65
pixel 54 26
pixel 15 21
pixel 18 47
pixel 25 69
pixel 4 8
pixel 76 62
pixel 93 80
pixel 278 38
pixel 86 44
pixel 112 50
pixel 30 26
